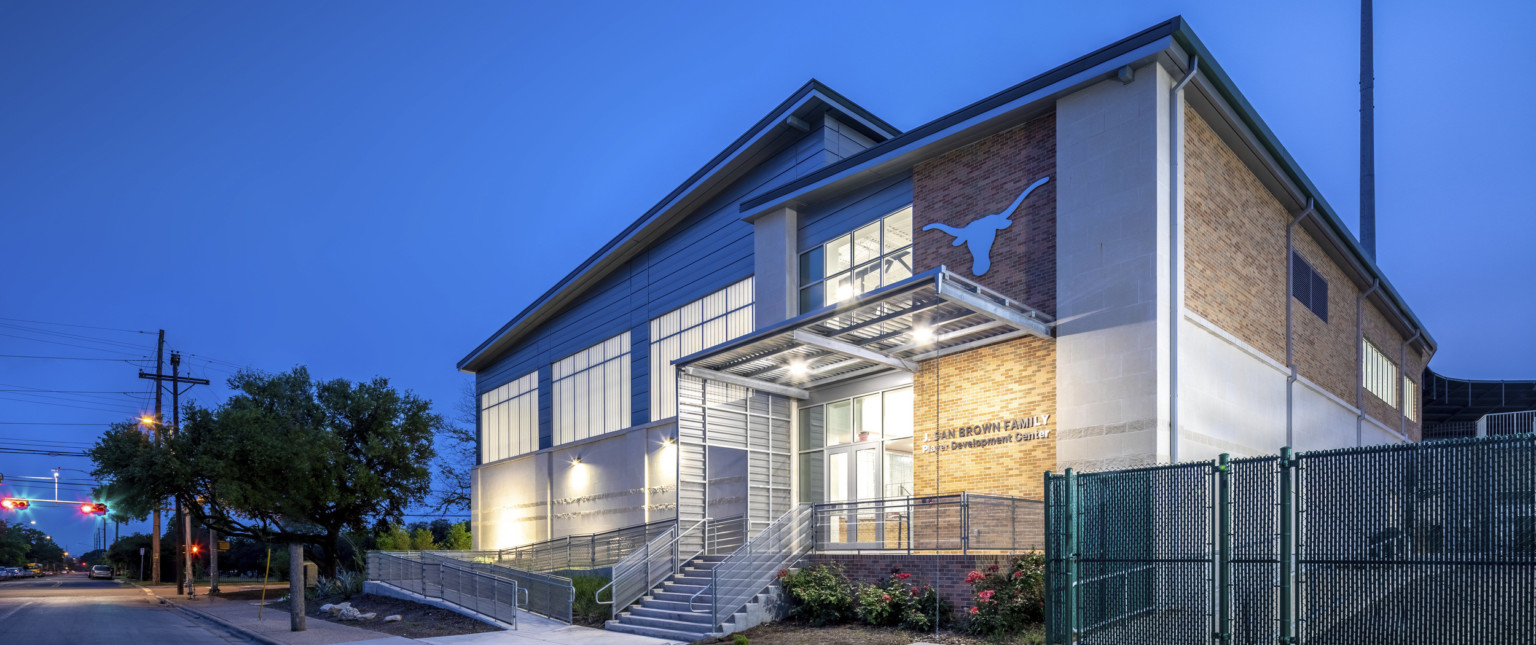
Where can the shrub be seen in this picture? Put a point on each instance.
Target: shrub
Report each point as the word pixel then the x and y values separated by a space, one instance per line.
pixel 1008 600
pixel 739 640
pixel 901 601
pixel 585 610
pixel 346 585
pixel 819 595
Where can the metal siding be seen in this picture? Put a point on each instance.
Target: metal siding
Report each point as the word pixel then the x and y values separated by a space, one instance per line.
pixel 824 221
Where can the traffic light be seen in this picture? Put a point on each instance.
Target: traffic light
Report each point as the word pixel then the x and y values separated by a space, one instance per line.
pixel 93 509
pixel 13 504
pixel 196 549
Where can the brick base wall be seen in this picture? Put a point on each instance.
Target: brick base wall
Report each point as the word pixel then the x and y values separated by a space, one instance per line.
pixel 949 569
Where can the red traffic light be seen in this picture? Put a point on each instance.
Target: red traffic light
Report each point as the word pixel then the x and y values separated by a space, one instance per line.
pixel 11 503
pixel 93 509
pixel 195 549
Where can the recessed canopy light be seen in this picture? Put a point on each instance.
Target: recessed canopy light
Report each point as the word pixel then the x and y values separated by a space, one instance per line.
pixel 798 368
pixel 922 335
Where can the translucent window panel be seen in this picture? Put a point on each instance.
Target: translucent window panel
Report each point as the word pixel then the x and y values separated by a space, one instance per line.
pixel 504 424
pixel 866 243
pixel 898 230
pixel 811 297
pixel 594 399
pixel 716 318
pixel 898 468
pixel 839 423
pixel 897 266
pixel 866 278
pixel 867 472
pixel 898 413
pixel 866 418
pixel 813 477
pixel 837 477
pixel 839 255
pixel 813 428
pixel 839 288
pixel 812 266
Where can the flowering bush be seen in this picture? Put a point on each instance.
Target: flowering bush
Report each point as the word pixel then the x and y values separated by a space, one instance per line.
pixel 900 602
pixel 819 595
pixel 1007 600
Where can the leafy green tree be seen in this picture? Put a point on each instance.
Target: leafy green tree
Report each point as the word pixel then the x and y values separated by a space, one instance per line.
pixel 13 545
pixel 395 538
pixel 421 540
pixel 458 538
pixel 286 459
pixel 457 457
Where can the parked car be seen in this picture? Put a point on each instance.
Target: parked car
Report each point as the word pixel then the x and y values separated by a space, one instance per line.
pixel 101 571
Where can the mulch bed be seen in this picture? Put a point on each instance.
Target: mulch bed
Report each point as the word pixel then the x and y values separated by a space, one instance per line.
pixel 416 620
pixel 785 633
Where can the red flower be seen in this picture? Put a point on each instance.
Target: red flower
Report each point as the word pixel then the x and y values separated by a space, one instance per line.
pixel 1018 574
pixel 973 577
pixel 886 597
pixel 903 576
pixel 986 596
pixel 974 610
pixel 992 568
pixel 783 573
pixel 914 590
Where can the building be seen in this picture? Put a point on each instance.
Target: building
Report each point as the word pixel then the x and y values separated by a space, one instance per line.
pixel 1110 264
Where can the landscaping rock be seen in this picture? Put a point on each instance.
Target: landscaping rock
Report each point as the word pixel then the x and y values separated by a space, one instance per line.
pixel 392 619
pixel 370 616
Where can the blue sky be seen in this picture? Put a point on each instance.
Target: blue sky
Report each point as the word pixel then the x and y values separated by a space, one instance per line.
pixel 372 188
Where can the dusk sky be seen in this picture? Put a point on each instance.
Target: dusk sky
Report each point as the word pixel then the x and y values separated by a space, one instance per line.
pixel 373 188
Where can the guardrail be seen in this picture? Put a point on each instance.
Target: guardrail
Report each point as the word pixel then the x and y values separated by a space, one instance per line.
pixel 647 566
pixel 750 569
pixel 542 593
pixel 590 551
pixel 962 522
pixel 1501 424
pixel 481 593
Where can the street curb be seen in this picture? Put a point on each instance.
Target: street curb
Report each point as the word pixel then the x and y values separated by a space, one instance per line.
pixel 228 626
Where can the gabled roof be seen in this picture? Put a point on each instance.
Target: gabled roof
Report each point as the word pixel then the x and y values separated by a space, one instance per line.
pixel 714 176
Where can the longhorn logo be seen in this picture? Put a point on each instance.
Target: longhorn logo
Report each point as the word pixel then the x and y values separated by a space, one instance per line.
pixel 982 231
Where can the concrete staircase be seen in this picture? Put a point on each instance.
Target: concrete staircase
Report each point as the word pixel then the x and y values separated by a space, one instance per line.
pixel 664 612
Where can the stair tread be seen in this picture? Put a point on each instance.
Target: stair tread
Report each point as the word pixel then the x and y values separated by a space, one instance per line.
pixel 657 632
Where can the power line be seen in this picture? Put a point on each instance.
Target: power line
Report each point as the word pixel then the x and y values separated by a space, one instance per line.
pixel 68 405
pixel 47 423
pixel 68 358
pixel 65 334
pixel 31 390
pixel 45 322
pixel 58 342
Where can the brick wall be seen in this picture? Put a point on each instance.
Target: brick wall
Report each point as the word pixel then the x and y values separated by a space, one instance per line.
pixel 948 570
pixel 982 179
pixel 1007 381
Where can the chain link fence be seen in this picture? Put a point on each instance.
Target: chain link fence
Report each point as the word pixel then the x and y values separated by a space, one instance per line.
pixel 1424 543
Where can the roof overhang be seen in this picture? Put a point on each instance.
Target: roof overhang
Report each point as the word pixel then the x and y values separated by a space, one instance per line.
pixel 896 327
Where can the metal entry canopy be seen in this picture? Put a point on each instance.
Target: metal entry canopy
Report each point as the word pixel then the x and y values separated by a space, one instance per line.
pixel 895 327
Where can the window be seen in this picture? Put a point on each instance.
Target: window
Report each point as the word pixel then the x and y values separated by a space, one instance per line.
pixel 875 255
pixel 509 419
pixel 1379 374
pixel 706 322
pixel 1309 287
pixel 591 391
pixel 882 420
pixel 1410 399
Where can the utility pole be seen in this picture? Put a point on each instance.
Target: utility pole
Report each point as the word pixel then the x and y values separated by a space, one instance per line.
pixel 175 379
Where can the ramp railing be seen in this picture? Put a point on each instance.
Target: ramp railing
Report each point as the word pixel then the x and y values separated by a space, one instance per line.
pixel 481 593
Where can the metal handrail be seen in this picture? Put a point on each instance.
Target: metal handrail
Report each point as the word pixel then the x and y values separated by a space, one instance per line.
pixel 558 592
pixel 667 545
pixel 562 552
pixel 752 567
pixel 471 591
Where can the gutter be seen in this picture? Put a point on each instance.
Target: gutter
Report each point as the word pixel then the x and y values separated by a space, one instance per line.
pixel 1175 247
pixel 1290 338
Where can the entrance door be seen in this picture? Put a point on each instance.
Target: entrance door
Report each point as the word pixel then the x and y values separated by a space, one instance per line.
pixel 853 483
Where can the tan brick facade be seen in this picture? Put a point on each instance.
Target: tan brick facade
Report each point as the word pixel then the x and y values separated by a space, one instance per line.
pixel 1235 271
pixel 994 384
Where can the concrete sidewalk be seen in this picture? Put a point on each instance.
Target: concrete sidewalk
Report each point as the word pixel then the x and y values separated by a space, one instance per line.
pixel 272 627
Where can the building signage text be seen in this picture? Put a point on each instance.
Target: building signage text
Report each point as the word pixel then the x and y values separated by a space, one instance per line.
pixel 982 435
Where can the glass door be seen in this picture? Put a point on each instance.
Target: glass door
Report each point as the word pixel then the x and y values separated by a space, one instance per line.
pixel 853 482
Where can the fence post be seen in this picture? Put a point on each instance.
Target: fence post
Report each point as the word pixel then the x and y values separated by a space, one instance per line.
pixel 1070 525
pixel 1223 549
pixel 1013 524
pixel 965 524
pixel 1287 547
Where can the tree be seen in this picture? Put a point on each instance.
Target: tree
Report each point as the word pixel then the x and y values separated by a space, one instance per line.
pixel 395 539
pixel 421 540
pixel 285 460
pixel 456 460
pixel 458 538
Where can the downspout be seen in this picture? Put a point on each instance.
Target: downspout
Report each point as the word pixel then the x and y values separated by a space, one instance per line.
pixel 1360 361
pixel 1290 341
pixel 1175 252
pixel 1402 397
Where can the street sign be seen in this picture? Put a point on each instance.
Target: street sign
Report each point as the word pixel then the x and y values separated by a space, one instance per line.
pixel 223 545
pixel 141 550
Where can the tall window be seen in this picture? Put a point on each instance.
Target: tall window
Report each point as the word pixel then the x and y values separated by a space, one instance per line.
pixel 1410 399
pixel 874 255
pixel 509 419
pixel 1379 374
pixel 706 322
pixel 591 390
pixel 878 425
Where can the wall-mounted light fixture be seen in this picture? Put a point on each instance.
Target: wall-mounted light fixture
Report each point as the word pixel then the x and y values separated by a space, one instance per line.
pixel 668 442
pixel 575 461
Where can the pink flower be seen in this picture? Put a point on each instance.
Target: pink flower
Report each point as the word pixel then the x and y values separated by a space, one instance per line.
pixel 783 573
pixel 1018 574
pixel 992 568
pixel 903 576
pixel 914 590
pixel 973 577
pixel 974 611
pixel 886 597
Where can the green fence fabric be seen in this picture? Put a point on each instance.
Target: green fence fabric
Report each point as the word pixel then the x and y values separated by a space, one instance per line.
pixel 1406 544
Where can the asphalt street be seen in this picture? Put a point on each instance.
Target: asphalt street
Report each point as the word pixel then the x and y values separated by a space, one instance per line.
pixel 73 609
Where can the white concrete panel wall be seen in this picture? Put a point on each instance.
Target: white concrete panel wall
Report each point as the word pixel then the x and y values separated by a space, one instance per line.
pixel 1233 400
pixel 510 499
pixel 1112 273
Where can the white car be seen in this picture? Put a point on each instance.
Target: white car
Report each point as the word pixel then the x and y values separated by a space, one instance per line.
pixel 101 571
